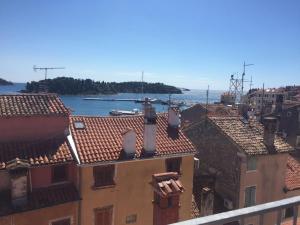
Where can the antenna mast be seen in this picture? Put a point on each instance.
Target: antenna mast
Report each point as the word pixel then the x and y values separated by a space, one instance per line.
pixel 143 82
pixel 46 69
pixel 243 75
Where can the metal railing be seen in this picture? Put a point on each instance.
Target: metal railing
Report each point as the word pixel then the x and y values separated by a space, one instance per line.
pixel 241 214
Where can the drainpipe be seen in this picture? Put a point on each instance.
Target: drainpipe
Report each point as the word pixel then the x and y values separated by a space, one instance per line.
pixel 79 190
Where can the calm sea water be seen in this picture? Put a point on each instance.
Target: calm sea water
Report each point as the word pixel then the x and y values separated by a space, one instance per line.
pixel 84 107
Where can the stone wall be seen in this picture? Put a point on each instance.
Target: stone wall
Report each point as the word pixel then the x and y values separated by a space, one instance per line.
pixel 218 156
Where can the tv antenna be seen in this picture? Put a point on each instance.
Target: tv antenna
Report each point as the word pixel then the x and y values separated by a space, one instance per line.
pixel 244 73
pixel 143 82
pixel 46 69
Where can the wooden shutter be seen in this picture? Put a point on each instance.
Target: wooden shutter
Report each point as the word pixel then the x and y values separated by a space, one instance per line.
pixel 104 175
pixel 103 216
pixel 59 173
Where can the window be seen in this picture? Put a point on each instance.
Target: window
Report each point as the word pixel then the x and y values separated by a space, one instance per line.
pixel 104 175
pixel 289 212
pixel 131 218
pixel 250 193
pixel 298 142
pixel 79 125
pixel 62 222
pixel 289 114
pixel 59 173
pixel 103 216
pixel 173 165
pixel 251 163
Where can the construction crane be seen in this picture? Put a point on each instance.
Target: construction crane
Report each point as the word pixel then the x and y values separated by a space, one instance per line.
pixel 46 69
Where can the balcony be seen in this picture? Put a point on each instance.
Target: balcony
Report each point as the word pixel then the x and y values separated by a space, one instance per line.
pixel 241 215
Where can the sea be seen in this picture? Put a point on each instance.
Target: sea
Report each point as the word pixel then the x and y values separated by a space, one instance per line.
pixel 79 106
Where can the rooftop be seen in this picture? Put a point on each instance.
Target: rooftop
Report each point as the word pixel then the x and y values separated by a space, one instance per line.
pixel 32 105
pixel 248 135
pixel 41 198
pixel 100 139
pixel 292 177
pixel 37 153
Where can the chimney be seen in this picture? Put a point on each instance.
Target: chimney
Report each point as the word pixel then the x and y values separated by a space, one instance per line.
pixel 243 110
pixel 18 170
pixel 270 124
pixel 279 103
pixel 173 117
pixel 129 142
pixel 149 128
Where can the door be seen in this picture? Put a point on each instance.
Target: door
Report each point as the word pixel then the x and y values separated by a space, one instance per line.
pixel 103 216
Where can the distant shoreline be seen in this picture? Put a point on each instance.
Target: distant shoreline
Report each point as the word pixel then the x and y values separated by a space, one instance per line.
pixel 71 86
pixel 5 82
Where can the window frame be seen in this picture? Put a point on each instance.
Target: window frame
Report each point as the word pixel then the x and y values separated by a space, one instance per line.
pixel 61 218
pixel 104 173
pixel 61 180
pixel 245 193
pixel 170 161
pixel 248 169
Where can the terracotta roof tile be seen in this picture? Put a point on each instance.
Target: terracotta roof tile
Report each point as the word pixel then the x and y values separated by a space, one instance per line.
pixel 37 153
pixel 43 197
pixel 248 136
pixel 31 105
pixel 167 184
pixel 101 140
pixel 292 176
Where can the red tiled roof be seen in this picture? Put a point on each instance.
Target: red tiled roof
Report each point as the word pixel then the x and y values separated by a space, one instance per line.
pixel 248 135
pixel 42 197
pixel 101 139
pixel 167 184
pixel 290 222
pixel 31 105
pixel 37 153
pixel 292 176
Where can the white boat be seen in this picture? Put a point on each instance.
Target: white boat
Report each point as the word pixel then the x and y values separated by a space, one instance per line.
pixel 124 112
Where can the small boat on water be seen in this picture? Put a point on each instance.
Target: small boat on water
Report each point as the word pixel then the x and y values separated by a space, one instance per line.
pixel 124 112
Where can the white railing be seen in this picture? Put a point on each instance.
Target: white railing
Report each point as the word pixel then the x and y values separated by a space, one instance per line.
pixel 241 214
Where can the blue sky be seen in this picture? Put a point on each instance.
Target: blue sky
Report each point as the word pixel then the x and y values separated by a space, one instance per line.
pixel 187 43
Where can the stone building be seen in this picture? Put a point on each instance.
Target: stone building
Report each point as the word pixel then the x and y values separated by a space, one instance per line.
pixel 247 161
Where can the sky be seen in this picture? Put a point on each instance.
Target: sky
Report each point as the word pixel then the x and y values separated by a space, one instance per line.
pixel 186 43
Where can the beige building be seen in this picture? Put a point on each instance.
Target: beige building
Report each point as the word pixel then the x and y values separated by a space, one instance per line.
pixel 133 169
pixel 265 98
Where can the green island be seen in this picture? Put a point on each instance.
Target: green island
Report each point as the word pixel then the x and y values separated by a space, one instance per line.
pixel 5 82
pixel 71 86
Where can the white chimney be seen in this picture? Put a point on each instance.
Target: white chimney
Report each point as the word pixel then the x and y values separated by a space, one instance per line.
pixel 129 142
pixel 149 128
pixel 174 117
